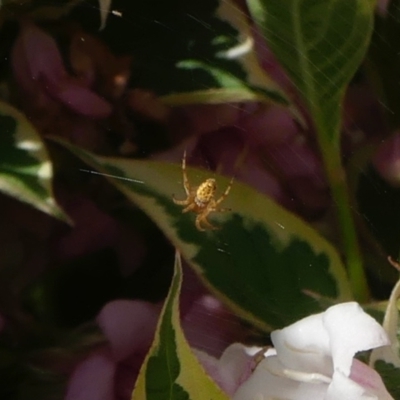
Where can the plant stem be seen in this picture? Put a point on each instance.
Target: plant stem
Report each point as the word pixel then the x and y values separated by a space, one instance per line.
pixel 338 185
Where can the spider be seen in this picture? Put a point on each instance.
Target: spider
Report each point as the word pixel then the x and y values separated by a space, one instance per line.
pixel 200 199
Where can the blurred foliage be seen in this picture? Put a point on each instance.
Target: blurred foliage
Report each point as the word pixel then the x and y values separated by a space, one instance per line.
pixel 25 167
pixel 197 45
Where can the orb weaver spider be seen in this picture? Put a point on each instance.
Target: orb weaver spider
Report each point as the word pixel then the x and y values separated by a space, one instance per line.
pixel 200 199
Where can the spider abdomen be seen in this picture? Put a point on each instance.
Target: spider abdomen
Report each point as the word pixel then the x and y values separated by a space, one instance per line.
pixel 205 192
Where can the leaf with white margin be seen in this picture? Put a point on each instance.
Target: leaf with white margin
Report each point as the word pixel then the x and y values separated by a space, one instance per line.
pixel 390 354
pixel 171 371
pixel 196 52
pixel 104 8
pixel 26 170
pixel 264 262
pixel 235 70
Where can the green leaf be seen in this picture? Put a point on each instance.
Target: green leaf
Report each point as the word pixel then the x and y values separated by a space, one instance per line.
pixel 390 376
pixel 171 371
pixel 25 167
pixel 191 52
pixel 264 262
pixel 320 43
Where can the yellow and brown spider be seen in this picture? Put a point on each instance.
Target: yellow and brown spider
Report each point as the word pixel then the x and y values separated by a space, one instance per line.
pixel 200 199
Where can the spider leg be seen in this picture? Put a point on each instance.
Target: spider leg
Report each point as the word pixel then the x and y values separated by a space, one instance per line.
pixel 202 218
pixel 190 207
pixel 221 209
pixel 227 190
pixel 199 218
pixel 186 183
pixel 180 202
pixel 208 225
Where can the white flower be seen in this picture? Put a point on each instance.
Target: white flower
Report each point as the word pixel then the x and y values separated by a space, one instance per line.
pixel 313 359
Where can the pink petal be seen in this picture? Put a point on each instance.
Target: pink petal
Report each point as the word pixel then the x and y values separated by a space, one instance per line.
pixel 255 174
pixel 295 159
pixel 269 125
pixel 21 67
pixel 382 6
pixel 231 370
pixel 192 290
pixel 208 118
pixel 363 384
pixel 210 364
pixel 128 325
pixel 367 377
pixel 43 55
pixel 237 364
pixel 37 64
pixel 93 379
pixel 35 55
pixel 127 373
pixel 387 160
pixel 222 149
pixel 82 100
pixel 209 326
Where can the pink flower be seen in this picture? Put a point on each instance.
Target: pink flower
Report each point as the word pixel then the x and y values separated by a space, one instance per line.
pixel 39 70
pixel 387 160
pixel 382 6
pixel 233 368
pixel 129 326
pixel 93 379
pixel 209 326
